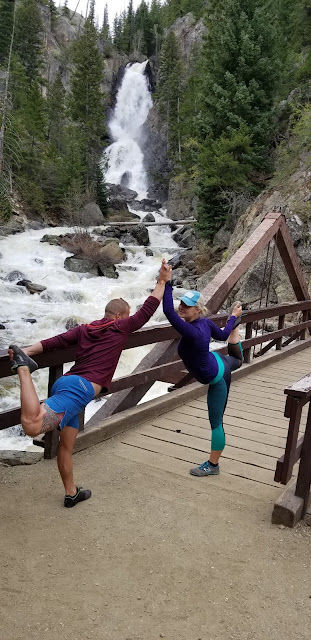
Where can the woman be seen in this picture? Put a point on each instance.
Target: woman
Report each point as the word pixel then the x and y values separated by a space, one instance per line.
pixel 206 366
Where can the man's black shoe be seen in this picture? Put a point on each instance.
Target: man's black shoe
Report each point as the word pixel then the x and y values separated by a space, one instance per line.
pixel 82 494
pixel 20 359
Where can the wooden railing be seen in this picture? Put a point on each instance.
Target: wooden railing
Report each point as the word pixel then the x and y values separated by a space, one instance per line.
pixel 298 395
pixel 173 371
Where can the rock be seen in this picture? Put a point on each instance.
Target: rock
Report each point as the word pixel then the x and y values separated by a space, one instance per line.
pixel 71 323
pixel 149 253
pixel 30 320
pixel 118 192
pixel 222 239
pixel 176 261
pixel 105 241
pixel 149 204
pixel 127 238
pixel 112 232
pixel 31 286
pixel 148 218
pixel 81 265
pixel 185 238
pixel 98 231
pixel 38 260
pixel 182 203
pixel 54 240
pixel 11 228
pixel 189 33
pixel 15 276
pixel 75 296
pixel 109 271
pixel 92 214
pixel 30 455
pixel 140 233
pixel 2 326
pixel 35 225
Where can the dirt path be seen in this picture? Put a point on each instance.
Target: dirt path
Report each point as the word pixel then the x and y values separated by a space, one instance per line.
pixel 152 555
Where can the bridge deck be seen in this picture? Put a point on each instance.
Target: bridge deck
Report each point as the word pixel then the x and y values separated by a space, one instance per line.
pixel 255 426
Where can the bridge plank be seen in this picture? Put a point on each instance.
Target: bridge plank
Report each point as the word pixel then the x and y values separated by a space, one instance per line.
pixel 204 431
pixel 240 413
pixel 195 457
pixel 225 480
pixel 192 436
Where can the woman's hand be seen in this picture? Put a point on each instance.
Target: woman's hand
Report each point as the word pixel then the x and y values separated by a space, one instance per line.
pixel 165 272
pixel 237 310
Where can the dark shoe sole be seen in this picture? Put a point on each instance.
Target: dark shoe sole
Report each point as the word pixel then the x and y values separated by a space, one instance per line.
pixel 20 359
pixel 81 495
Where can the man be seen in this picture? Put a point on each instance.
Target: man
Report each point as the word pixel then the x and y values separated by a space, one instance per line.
pixel 99 346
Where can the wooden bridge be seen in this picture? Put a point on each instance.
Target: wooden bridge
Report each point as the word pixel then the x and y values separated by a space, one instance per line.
pixel 172 433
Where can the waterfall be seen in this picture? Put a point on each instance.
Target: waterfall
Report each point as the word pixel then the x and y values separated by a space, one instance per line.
pixel 124 156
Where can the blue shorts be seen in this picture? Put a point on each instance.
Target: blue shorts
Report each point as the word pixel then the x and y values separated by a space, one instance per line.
pixel 70 394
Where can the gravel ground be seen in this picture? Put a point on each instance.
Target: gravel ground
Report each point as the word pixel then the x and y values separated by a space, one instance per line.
pixel 151 555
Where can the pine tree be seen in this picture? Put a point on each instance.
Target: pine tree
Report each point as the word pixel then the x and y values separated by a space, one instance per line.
pixel 92 11
pixel 86 100
pixel 56 113
pixel 105 32
pixel 28 38
pixel 239 79
pixel 65 9
pixel 168 93
pixel 144 30
pixel 6 26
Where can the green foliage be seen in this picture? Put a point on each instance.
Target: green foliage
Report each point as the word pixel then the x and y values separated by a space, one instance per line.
pixel 28 38
pixel 168 93
pixel 235 120
pixel 289 155
pixel 6 26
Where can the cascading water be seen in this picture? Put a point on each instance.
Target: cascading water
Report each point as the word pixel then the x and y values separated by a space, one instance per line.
pixel 79 296
pixel 124 156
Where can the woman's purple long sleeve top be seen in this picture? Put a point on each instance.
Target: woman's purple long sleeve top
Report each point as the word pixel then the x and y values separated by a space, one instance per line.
pixel 193 347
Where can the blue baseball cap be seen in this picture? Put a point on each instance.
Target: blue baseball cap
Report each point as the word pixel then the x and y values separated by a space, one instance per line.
pixel 190 298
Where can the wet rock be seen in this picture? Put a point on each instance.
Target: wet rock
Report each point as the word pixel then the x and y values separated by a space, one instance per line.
pixel 14 276
pixel 148 204
pixel 185 238
pixel 35 225
pixel 54 240
pixel 2 326
pixel 127 238
pixel 105 241
pixel 108 271
pixel 80 265
pixel 38 260
pixel 149 218
pixel 120 193
pixel 112 232
pixel 31 286
pixel 98 231
pixel 176 261
pixel 74 296
pixel 149 253
pixel 140 233
pixel 30 320
pixel 71 323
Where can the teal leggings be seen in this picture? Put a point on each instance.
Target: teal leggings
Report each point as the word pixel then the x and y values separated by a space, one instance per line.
pixel 218 392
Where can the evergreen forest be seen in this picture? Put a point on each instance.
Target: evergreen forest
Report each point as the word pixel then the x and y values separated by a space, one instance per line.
pixel 226 113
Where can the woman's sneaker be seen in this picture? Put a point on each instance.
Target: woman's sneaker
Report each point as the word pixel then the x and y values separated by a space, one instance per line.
pixel 205 469
pixel 20 359
pixel 82 494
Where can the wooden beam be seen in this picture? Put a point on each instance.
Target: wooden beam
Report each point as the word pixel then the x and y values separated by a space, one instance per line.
pixel 289 256
pixel 219 288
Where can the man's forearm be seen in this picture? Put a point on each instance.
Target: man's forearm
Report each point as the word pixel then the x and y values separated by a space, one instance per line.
pixel 34 349
pixel 158 291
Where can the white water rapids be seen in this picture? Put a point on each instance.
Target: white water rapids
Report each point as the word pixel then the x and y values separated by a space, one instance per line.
pixel 74 295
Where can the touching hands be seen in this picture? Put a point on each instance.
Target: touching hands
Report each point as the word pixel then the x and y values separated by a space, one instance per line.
pixel 165 272
pixel 237 310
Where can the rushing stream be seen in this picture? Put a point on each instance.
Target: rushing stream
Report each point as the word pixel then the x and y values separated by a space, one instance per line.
pixel 72 295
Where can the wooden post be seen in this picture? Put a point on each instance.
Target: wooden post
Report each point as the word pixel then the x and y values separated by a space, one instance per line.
pixel 248 335
pixel 305 317
pixel 280 326
pixel 52 437
pixel 304 474
pixel 294 409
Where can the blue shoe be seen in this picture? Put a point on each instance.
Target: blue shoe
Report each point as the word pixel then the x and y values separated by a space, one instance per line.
pixel 205 469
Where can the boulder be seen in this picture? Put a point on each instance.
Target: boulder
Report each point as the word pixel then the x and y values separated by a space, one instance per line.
pixel 108 271
pixel 54 240
pixel 2 327
pixel 71 323
pixel 120 193
pixel 127 238
pixel 149 253
pixel 30 320
pixel 149 218
pixel 140 233
pixel 31 286
pixel 92 214
pixel 81 265
pixel 185 238
pixel 14 276
pixel 182 203
pixel 150 205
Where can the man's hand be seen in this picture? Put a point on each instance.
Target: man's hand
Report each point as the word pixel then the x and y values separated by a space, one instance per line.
pixel 237 310
pixel 165 272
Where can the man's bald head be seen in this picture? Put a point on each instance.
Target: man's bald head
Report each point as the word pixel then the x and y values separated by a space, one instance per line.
pixel 117 308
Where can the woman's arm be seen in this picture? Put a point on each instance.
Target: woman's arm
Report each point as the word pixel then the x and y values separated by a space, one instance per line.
pixel 222 334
